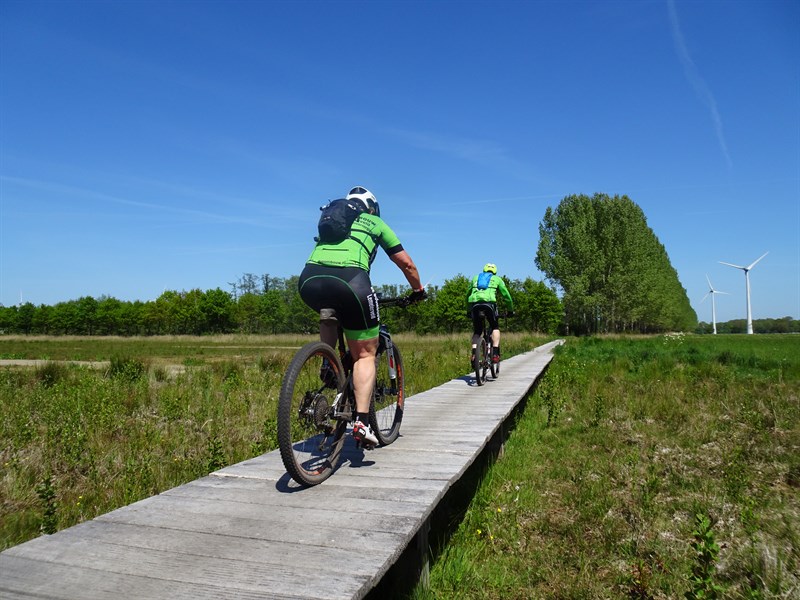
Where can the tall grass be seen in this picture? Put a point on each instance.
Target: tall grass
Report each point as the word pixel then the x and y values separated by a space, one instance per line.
pixel 663 467
pixel 77 441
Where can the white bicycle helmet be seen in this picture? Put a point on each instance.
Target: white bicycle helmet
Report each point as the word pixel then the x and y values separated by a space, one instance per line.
pixel 367 198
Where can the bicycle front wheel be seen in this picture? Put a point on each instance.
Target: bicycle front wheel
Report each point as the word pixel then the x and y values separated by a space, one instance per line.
pixel 310 431
pixel 388 399
pixel 479 361
pixel 494 367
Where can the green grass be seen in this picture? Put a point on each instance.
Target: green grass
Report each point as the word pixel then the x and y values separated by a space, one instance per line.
pixel 663 467
pixel 78 441
pixel 658 467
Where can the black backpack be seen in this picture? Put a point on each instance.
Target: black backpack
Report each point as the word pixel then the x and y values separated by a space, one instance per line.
pixel 336 219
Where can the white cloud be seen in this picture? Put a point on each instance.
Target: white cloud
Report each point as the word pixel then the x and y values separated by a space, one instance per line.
pixel 697 82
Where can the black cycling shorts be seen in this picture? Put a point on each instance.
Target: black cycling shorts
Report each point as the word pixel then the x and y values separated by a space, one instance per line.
pixel 347 290
pixel 489 309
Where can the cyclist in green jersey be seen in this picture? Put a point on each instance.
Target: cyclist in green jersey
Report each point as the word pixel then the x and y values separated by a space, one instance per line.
pixel 482 297
pixel 335 282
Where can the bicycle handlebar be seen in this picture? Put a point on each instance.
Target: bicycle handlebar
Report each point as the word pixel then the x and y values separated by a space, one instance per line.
pixel 402 301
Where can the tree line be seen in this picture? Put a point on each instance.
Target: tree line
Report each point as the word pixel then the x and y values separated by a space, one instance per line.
pixel 782 325
pixel 269 305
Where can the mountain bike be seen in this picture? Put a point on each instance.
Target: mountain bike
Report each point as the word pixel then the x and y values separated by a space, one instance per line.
pixel 317 403
pixel 482 348
pixel 481 353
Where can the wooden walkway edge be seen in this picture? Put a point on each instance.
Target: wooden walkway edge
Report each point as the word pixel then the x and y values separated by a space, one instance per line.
pixel 248 532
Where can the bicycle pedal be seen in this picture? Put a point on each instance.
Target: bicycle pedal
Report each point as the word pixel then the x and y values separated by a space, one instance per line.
pixel 366 446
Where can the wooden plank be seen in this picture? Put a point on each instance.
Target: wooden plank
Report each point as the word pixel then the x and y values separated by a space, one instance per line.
pixel 24 578
pixel 247 531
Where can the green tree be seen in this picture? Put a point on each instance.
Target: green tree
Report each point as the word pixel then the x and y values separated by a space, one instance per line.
pixel 248 309
pixel 217 307
pixel 86 308
pixel 614 273
pixel 300 318
pixel 536 307
pixel 108 316
pixel 273 310
pixel 449 309
pixel 8 319
pixel 25 314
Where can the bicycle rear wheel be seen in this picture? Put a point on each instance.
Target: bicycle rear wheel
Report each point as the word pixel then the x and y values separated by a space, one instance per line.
pixel 310 433
pixel 388 399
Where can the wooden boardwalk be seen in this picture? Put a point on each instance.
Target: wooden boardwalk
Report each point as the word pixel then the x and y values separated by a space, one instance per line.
pixel 247 531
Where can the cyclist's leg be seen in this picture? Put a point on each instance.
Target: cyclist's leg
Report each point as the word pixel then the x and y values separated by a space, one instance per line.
pixel 359 316
pixel 477 323
pixel 363 353
pixel 494 327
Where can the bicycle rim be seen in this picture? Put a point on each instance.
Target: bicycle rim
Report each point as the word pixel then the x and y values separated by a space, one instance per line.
pixel 388 401
pixel 309 437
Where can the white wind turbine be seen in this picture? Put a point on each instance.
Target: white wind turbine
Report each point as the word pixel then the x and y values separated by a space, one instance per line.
pixel 711 292
pixel 747 287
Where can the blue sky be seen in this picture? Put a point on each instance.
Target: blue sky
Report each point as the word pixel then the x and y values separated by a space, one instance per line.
pixel 172 145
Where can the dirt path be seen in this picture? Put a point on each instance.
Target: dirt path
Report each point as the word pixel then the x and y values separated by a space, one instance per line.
pixel 17 362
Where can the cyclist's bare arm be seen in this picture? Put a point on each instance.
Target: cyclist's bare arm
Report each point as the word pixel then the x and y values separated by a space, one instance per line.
pixel 409 269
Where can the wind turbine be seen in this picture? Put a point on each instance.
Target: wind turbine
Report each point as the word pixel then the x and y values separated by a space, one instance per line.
pixel 747 286
pixel 711 292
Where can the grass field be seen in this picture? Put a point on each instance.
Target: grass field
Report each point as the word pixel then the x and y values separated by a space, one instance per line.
pixel 649 467
pixel 77 441
pixel 664 467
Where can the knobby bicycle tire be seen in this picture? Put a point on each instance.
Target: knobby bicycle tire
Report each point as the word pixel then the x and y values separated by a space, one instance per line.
pixel 309 436
pixel 494 367
pixel 478 361
pixel 388 398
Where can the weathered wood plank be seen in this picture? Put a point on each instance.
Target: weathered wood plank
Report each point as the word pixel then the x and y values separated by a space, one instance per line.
pixel 247 531
pixel 24 578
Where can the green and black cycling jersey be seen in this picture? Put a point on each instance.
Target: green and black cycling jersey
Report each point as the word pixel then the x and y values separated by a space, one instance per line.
pixel 360 247
pixel 336 276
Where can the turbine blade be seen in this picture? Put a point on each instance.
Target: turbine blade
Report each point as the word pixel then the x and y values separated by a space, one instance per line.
pixel 732 265
pixel 758 259
pixel 704 297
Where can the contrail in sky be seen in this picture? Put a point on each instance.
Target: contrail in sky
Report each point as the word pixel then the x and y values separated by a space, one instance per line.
pixel 699 84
